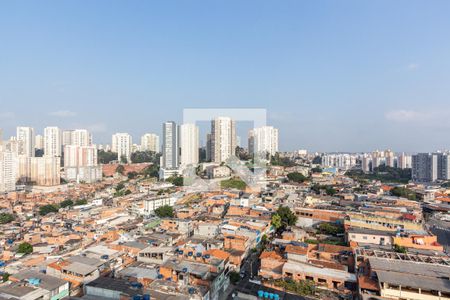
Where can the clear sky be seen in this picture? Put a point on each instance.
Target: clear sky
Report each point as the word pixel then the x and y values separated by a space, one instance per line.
pixel 333 75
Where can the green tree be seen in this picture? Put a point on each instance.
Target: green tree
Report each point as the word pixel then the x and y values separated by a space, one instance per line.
pixel 288 218
pixel 46 209
pixel 296 177
pixel 151 171
pixel 331 229
pixel 399 249
pixel 317 160
pixel 5 277
pixel 145 157
pixel 176 180
pixel 316 170
pixel 277 160
pixel 403 192
pixel 330 190
pixel 123 159
pixel 233 183
pixel 276 221
pixel 25 248
pixel 6 218
pixel 66 203
pixel 165 211
pixel 105 157
pixel 234 277
pixel 132 175
pixel 120 169
pixel 120 186
pixel 81 202
pixel 303 287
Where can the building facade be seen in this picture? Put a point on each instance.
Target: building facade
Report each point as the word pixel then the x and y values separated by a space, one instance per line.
pixel 52 141
pixel 263 140
pixel 189 144
pixel 170 155
pixel 26 141
pixel 122 144
pixel 223 139
pixel 150 142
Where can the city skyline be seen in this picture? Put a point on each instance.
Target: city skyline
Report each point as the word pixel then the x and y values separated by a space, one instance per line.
pixel 327 85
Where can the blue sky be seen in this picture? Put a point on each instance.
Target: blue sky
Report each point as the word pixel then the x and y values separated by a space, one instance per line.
pixel 333 75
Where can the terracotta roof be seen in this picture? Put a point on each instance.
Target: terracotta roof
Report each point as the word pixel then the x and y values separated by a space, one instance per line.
pixel 271 255
pixel 296 249
pixel 218 253
pixel 386 188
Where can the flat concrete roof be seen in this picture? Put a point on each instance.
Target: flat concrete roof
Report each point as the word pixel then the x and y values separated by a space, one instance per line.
pixel 326 272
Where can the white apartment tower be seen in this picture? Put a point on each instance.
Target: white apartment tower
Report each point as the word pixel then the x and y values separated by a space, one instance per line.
pixel 26 142
pixel 39 142
pixel 77 137
pixel 81 137
pixel 263 140
pixel 122 143
pixel 52 141
pixel 390 158
pixel 189 144
pixel 223 139
pixel 8 171
pixel 150 142
pixel 80 164
pixel 404 161
pixel 67 137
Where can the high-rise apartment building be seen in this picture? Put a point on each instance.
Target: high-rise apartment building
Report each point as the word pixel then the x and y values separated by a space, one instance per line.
pixel 122 144
pixel 77 137
pixel 389 158
pixel 150 142
pixel 39 142
pixel 8 171
pixel 44 171
pixel 80 164
pixel 429 167
pixel 189 144
pixel 223 139
pixel 366 162
pixel 377 159
pixel 344 161
pixel 404 161
pixel 208 147
pixel 67 137
pixel 170 152
pixel 52 142
pixel 81 137
pixel 263 140
pixel 26 141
